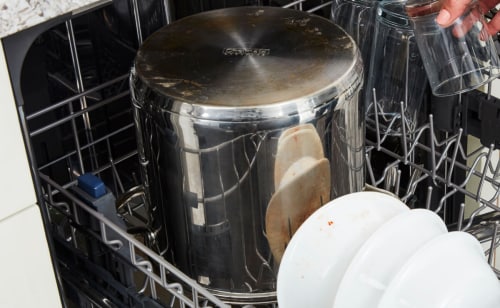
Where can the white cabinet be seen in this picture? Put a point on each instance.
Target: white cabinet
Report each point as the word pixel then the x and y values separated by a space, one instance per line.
pixel 16 186
pixel 26 275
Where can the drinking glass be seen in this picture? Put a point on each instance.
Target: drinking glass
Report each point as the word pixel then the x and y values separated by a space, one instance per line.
pixel 396 80
pixel 457 58
pixel 357 18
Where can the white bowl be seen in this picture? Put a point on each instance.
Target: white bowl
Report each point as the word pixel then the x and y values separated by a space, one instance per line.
pixel 383 255
pixel 450 271
pixel 320 250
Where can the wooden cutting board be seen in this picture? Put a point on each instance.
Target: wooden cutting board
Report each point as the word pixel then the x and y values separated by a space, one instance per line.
pixel 293 202
pixel 294 144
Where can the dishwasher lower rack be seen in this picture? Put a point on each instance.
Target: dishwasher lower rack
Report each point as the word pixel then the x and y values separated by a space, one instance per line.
pixel 99 252
pixel 94 249
pixel 107 262
pixel 102 261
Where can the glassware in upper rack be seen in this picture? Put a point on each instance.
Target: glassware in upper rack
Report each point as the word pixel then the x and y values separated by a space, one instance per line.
pixel 357 18
pixel 457 58
pixel 396 80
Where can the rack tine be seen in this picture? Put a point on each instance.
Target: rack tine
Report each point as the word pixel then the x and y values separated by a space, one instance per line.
pixel 377 125
pixel 415 178
pixel 444 198
pixel 454 157
pixel 471 169
pixel 493 242
pixel 403 135
pixel 461 216
pixel 114 244
pixel 476 212
pixel 496 173
pixel 398 180
pixel 137 21
pixel 489 90
pixel 485 169
pixel 429 197
pixel 370 169
pixel 433 149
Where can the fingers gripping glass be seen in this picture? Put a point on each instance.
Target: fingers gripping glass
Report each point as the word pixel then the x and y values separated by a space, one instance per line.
pixel 457 58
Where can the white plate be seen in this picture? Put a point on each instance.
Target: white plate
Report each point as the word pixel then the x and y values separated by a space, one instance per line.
pixel 450 271
pixel 320 250
pixel 383 255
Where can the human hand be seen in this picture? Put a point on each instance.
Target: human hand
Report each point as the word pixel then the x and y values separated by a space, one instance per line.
pixel 452 9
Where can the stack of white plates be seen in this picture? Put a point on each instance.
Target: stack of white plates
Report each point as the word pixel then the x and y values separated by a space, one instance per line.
pixel 369 249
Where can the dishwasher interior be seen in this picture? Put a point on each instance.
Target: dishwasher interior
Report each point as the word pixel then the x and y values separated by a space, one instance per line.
pixel 77 119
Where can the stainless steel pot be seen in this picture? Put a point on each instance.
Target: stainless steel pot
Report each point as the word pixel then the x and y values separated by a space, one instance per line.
pixel 213 93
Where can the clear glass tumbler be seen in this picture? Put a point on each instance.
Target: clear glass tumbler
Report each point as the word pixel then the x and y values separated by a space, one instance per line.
pixel 357 18
pixel 457 58
pixel 397 80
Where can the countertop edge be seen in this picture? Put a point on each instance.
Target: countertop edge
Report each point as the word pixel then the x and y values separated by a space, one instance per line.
pixel 17 15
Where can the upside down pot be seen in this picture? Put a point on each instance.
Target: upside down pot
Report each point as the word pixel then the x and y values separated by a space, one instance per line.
pixel 226 105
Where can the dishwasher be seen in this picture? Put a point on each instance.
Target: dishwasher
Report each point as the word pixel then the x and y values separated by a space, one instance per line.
pixel 77 120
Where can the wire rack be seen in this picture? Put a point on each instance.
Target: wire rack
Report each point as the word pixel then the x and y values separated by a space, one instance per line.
pixel 105 146
pixel 447 156
pixel 473 196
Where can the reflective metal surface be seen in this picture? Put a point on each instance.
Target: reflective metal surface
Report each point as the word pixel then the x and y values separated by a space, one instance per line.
pixel 213 93
pixel 247 57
